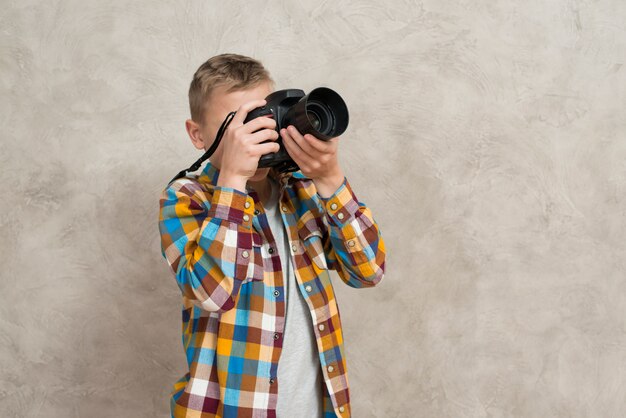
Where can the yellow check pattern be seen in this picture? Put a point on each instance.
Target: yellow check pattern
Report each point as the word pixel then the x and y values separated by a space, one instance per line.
pixel 214 239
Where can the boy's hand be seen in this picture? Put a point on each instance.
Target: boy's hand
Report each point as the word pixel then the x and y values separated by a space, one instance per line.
pixel 242 145
pixel 316 158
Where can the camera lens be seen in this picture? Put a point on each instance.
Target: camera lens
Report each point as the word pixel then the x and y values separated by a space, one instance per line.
pixel 314 119
pixel 321 113
pixel 320 117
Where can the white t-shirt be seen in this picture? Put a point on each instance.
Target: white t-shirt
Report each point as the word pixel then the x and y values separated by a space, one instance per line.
pixel 299 374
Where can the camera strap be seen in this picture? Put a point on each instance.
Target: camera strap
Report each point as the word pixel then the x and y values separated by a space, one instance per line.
pixel 210 151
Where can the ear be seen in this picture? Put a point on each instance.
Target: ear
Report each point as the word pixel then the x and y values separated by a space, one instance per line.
pixel 195 133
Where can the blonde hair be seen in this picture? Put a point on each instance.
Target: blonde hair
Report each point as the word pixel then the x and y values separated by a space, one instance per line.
pixel 236 71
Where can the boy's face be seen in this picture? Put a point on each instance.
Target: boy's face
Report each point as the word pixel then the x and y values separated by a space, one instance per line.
pixel 220 104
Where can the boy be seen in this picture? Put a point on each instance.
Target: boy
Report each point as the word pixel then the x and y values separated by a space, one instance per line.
pixel 250 249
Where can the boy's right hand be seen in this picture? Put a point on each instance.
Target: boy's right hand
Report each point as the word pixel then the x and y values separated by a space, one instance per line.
pixel 242 145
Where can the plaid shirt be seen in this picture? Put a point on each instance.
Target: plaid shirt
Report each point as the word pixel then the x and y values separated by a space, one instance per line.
pixel 233 306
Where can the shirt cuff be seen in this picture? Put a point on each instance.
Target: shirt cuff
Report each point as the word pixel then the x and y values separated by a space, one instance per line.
pixel 342 206
pixel 233 205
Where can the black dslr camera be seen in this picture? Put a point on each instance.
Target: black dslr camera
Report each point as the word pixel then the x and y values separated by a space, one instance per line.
pixel 321 113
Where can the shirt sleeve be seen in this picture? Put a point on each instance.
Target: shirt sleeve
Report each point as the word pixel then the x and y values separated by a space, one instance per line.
pixel 207 241
pixel 354 246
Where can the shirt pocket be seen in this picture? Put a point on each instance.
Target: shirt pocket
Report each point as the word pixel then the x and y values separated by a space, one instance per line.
pixel 314 248
pixel 256 266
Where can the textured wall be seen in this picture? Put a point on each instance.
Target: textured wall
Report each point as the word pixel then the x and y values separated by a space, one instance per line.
pixel 488 138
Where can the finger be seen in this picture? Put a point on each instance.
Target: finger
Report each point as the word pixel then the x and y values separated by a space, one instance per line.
pixel 263 135
pixel 259 123
pixel 243 110
pixel 316 143
pixel 292 147
pixel 301 142
pixel 267 148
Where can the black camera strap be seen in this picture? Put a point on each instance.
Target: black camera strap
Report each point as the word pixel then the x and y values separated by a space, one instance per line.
pixel 210 151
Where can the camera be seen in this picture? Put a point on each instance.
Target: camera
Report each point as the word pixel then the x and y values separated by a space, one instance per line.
pixel 321 113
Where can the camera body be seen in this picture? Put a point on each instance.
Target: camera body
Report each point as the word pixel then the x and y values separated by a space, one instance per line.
pixel 321 113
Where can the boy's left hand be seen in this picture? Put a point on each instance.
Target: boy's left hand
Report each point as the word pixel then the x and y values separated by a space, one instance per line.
pixel 316 158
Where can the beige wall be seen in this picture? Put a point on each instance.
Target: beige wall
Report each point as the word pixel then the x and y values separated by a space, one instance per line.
pixel 487 137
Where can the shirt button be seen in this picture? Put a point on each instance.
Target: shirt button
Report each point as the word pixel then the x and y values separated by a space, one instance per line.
pixel 276 292
pixel 340 215
pixel 247 204
pixel 256 211
pixel 271 250
pixel 333 206
pixel 246 217
pixel 341 408
pixel 351 243
pixel 321 327
pixel 294 248
pixel 272 380
pixel 308 288
pixel 331 368
pixel 284 208
pixel 245 254
pixel 276 335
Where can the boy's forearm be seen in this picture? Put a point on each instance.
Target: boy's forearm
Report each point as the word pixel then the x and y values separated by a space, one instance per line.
pixel 227 180
pixel 210 257
pixel 354 245
pixel 328 185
